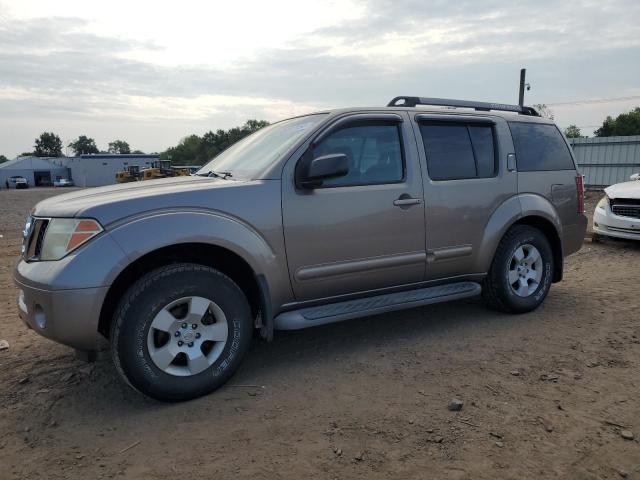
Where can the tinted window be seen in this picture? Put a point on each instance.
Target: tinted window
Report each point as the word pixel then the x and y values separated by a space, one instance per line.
pixel 482 139
pixel 374 153
pixel 458 151
pixel 540 147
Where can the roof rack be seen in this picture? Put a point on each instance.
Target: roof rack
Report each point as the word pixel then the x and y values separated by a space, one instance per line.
pixel 403 101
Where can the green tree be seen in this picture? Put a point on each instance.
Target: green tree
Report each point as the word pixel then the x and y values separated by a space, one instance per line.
pixel 187 152
pixel 255 125
pixel 196 150
pixel 82 145
pixel 119 146
pixel 623 125
pixel 543 110
pixel 3 159
pixel 48 144
pixel 572 131
pixel 138 152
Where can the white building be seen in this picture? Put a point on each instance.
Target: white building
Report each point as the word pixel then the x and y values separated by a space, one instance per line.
pixel 100 169
pixel 85 170
pixel 39 171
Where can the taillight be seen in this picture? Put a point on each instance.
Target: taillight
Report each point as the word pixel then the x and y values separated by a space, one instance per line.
pixel 580 189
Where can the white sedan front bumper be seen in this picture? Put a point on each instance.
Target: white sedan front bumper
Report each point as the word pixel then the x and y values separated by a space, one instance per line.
pixel 605 222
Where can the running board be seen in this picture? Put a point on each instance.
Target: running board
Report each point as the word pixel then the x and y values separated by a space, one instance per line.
pixel 363 307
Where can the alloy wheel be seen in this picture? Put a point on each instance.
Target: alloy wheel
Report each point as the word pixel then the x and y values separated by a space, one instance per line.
pixel 187 336
pixel 525 270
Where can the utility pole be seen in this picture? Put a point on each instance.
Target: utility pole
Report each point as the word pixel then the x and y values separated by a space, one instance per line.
pixel 523 73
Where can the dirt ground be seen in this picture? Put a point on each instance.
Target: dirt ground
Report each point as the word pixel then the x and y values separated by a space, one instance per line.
pixel 546 394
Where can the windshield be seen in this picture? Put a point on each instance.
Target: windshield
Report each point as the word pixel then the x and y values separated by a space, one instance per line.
pixel 253 154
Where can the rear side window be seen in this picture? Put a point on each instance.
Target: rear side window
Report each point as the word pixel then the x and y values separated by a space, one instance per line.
pixel 482 141
pixel 540 147
pixel 458 151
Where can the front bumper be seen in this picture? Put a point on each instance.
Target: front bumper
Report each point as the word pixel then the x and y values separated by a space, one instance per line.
pixel 605 222
pixel 62 299
pixel 65 316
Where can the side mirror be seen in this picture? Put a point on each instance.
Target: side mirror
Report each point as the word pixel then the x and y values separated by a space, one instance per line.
pixel 323 168
pixel 635 176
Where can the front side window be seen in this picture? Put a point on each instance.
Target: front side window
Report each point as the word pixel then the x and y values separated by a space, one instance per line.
pixel 458 151
pixel 374 153
pixel 539 147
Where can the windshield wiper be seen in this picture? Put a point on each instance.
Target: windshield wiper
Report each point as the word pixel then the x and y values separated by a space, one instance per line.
pixel 211 173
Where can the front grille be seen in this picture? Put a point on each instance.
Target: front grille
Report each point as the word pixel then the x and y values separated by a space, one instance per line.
pixel 33 243
pixel 627 210
pixel 626 207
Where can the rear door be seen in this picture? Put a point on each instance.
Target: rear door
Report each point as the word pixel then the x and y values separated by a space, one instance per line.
pixel 464 160
pixel 363 231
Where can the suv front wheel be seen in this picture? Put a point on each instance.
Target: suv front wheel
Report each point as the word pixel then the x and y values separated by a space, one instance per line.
pixel 521 273
pixel 180 332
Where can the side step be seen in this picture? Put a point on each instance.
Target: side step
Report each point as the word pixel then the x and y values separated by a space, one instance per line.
pixel 336 312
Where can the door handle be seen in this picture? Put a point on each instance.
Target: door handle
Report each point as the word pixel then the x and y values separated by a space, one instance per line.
pixel 406 200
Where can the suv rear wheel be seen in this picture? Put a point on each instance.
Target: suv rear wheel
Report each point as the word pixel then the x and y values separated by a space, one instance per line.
pixel 180 332
pixel 521 273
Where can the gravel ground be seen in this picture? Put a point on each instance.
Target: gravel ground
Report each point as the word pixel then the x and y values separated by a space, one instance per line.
pixel 550 394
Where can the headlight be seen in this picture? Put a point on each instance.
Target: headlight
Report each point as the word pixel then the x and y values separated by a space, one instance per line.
pixel 25 234
pixel 64 235
pixel 603 203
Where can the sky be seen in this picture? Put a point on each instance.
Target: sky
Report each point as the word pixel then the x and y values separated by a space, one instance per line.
pixel 153 72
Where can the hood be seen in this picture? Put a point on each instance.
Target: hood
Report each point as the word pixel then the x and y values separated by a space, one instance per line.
pixel 108 204
pixel 624 190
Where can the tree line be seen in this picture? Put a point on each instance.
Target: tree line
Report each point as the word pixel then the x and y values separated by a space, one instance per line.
pixel 196 149
pixel 192 150
pixel 48 144
pixel 623 125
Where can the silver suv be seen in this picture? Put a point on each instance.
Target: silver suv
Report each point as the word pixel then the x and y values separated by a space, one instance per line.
pixel 312 220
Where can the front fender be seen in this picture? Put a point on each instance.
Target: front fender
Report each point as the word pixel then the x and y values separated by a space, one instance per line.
pixel 144 234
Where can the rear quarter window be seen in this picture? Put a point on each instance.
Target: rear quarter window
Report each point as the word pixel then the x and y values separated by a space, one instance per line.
pixel 540 147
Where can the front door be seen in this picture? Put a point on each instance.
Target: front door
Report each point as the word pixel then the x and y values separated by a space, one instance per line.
pixel 365 230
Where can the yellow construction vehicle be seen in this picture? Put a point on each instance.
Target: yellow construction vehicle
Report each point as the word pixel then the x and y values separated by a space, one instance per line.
pixel 181 172
pixel 129 174
pixel 162 169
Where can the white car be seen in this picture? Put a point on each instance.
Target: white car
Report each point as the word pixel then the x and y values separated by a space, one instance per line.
pixel 63 182
pixel 17 182
pixel 618 213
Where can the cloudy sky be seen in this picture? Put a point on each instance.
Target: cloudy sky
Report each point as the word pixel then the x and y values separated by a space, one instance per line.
pixel 151 72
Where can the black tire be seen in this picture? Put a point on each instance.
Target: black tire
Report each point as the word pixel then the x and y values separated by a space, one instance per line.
pixel 148 296
pixel 496 289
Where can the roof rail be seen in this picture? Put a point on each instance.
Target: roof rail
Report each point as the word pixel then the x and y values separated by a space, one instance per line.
pixel 403 101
